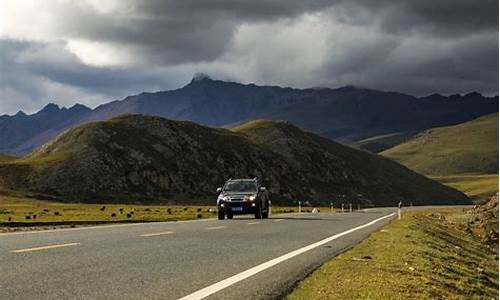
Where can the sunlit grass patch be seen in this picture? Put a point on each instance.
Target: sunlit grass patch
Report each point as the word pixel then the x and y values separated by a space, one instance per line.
pixel 477 187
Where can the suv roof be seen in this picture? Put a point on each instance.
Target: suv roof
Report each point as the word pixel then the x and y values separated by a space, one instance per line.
pixel 243 179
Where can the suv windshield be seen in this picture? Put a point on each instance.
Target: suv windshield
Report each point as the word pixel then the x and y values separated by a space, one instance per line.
pixel 240 186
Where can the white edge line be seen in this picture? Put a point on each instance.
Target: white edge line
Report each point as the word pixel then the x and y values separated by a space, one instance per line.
pixel 43 248
pixel 156 233
pixel 215 227
pixel 253 223
pixel 211 289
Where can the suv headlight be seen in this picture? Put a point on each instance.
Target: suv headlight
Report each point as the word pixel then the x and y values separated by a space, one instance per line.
pixel 222 198
pixel 250 198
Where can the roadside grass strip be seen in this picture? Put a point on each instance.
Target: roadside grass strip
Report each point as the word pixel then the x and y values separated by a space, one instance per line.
pixel 426 255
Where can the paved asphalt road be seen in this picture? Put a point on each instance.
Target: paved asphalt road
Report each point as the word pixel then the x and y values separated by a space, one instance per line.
pixel 171 260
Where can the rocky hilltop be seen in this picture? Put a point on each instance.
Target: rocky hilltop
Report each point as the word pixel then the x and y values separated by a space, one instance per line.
pixel 137 158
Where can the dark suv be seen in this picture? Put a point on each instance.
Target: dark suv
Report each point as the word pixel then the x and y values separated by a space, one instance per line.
pixel 242 196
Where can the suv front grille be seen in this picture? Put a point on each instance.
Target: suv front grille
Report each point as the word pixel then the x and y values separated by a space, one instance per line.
pixel 236 199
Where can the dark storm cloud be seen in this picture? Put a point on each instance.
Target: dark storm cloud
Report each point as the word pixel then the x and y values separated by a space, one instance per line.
pixel 92 51
pixel 446 18
pixel 418 67
pixel 65 68
pixel 174 32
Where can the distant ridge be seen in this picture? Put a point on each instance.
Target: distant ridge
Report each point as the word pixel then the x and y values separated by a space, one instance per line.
pixel 347 114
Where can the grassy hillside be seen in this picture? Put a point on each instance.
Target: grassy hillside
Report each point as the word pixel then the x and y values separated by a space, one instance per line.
pixel 145 159
pixel 363 177
pixel 5 157
pixel 467 148
pixel 478 187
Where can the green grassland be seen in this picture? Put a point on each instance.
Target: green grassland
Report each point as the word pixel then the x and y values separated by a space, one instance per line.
pixel 27 210
pixel 478 187
pixel 19 212
pixel 426 255
pixel 6 158
pixel 467 148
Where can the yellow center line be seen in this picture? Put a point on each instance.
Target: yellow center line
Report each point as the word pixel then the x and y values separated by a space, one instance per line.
pixel 253 223
pixel 44 248
pixel 157 233
pixel 215 227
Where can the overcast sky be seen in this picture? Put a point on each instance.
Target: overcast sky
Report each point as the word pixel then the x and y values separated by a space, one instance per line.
pixel 95 51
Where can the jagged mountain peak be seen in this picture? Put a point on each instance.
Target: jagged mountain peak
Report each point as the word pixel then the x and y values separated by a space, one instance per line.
pixel 20 114
pixel 79 107
pixel 49 108
pixel 200 76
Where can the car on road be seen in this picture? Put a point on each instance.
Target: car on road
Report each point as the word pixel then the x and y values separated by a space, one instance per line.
pixel 243 196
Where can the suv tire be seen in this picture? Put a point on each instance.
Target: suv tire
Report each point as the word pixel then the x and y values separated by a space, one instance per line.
pixel 221 215
pixel 229 215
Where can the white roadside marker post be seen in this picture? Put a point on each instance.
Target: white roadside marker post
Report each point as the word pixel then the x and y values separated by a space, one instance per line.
pixel 299 208
pixel 331 207
pixel 350 207
pixel 342 207
pixel 269 213
pixel 399 210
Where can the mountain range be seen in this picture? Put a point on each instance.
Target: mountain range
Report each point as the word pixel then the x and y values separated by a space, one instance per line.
pixel 140 159
pixel 347 114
